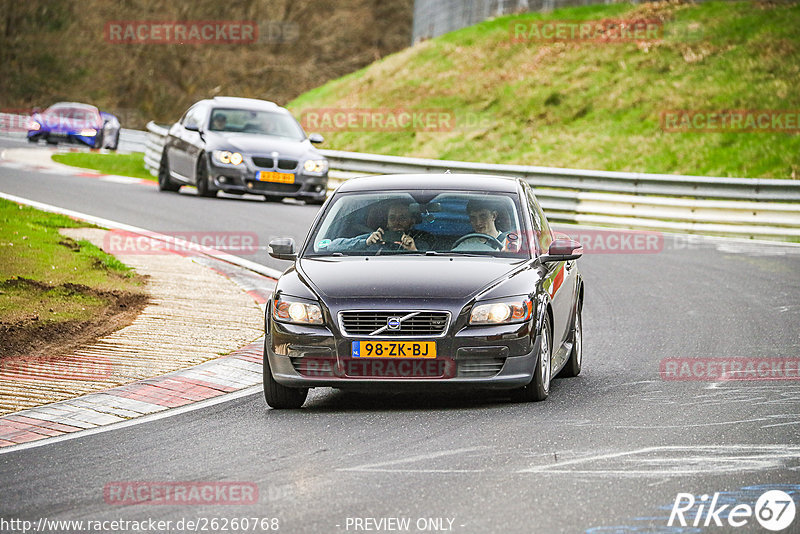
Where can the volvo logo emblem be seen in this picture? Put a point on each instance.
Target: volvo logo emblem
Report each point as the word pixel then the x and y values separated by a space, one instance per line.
pixel 393 323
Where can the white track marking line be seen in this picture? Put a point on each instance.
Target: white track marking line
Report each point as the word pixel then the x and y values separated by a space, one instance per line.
pixel 419 458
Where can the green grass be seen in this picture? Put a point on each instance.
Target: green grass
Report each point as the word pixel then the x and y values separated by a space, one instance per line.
pixel 590 105
pixel 119 164
pixel 44 275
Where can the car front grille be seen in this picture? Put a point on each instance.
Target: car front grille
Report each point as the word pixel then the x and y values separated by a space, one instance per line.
pixel 480 368
pixel 423 323
pixel 284 164
pixel 266 163
pixel 287 164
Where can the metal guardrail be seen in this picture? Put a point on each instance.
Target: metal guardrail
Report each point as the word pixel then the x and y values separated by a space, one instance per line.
pixel 154 146
pixel 742 207
pixel 582 180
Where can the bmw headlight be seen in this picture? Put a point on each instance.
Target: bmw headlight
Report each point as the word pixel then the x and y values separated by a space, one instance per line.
pixel 291 310
pixel 33 125
pixel 226 157
pixel 88 132
pixel 316 165
pixel 514 310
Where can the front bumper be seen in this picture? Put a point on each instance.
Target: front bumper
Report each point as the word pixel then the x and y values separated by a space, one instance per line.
pixel 242 179
pixel 492 358
pixel 62 137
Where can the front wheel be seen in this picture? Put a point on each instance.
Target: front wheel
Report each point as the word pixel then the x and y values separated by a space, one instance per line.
pixel 277 396
pixel 573 366
pixel 165 183
pixel 203 187
pixel 115 143
pixel 539 386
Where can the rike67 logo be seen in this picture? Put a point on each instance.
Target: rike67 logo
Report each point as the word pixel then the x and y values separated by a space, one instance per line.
pixel 774 510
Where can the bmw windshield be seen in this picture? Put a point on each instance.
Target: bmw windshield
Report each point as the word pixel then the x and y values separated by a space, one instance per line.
pixel 420 222
pixel 257 122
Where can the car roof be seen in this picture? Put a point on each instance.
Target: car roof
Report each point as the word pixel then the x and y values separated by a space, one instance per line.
pixel 462 182
pixel 245 103
pixel 78 105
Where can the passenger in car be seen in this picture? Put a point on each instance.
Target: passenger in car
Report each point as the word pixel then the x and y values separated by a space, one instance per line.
pixel 399 234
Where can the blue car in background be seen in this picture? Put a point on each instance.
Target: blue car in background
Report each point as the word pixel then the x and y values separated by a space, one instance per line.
pixel 71 122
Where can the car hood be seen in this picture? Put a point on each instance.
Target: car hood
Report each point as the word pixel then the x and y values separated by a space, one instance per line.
pixel 57 123
pixel 423 277
pixel 262 144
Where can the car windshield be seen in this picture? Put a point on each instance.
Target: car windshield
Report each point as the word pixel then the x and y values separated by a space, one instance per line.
pixel 75 116
pixel 420 222
pixel 255 122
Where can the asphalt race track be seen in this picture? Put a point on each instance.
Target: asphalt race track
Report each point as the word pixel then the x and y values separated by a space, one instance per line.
pixel 609 451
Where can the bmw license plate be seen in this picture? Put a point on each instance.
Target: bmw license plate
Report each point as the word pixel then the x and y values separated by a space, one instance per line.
pixel 394 349
pixel 277 177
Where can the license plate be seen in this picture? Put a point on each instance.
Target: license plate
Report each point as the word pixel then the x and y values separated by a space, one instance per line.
pixel 394 349
pixel 277 177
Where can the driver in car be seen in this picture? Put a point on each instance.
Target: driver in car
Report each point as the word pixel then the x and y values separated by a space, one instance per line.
pixel 483 218
pixel 218 122
pixel 398 234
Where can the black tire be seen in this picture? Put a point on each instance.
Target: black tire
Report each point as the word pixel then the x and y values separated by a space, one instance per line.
pixel 277 396
pixel 203 188
pixel 115 144
pixel 573 366
pixel 98 140
pixel 271 198
pixel 315 201
pixel 165 183
pixel 539 387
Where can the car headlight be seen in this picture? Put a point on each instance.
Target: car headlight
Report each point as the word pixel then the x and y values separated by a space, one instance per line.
pixel 316 165
pixel 226 157
pixel 290 310
pixel 88 132
pixel 514 310
pixel 33 125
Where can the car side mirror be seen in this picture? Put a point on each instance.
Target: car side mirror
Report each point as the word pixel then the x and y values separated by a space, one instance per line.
pixel 316 138
pixel 282 248
pixel 562 249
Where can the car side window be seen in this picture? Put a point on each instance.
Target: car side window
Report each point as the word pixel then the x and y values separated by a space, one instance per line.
pixel 541 227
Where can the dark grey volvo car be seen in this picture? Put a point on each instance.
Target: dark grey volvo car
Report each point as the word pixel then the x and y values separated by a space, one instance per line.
pixel 425 281
pixel 243 145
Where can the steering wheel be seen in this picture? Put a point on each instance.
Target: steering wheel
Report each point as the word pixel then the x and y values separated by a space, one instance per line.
pixel 489 240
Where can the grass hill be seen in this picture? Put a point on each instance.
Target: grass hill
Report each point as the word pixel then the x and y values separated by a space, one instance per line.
pixel 593 105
